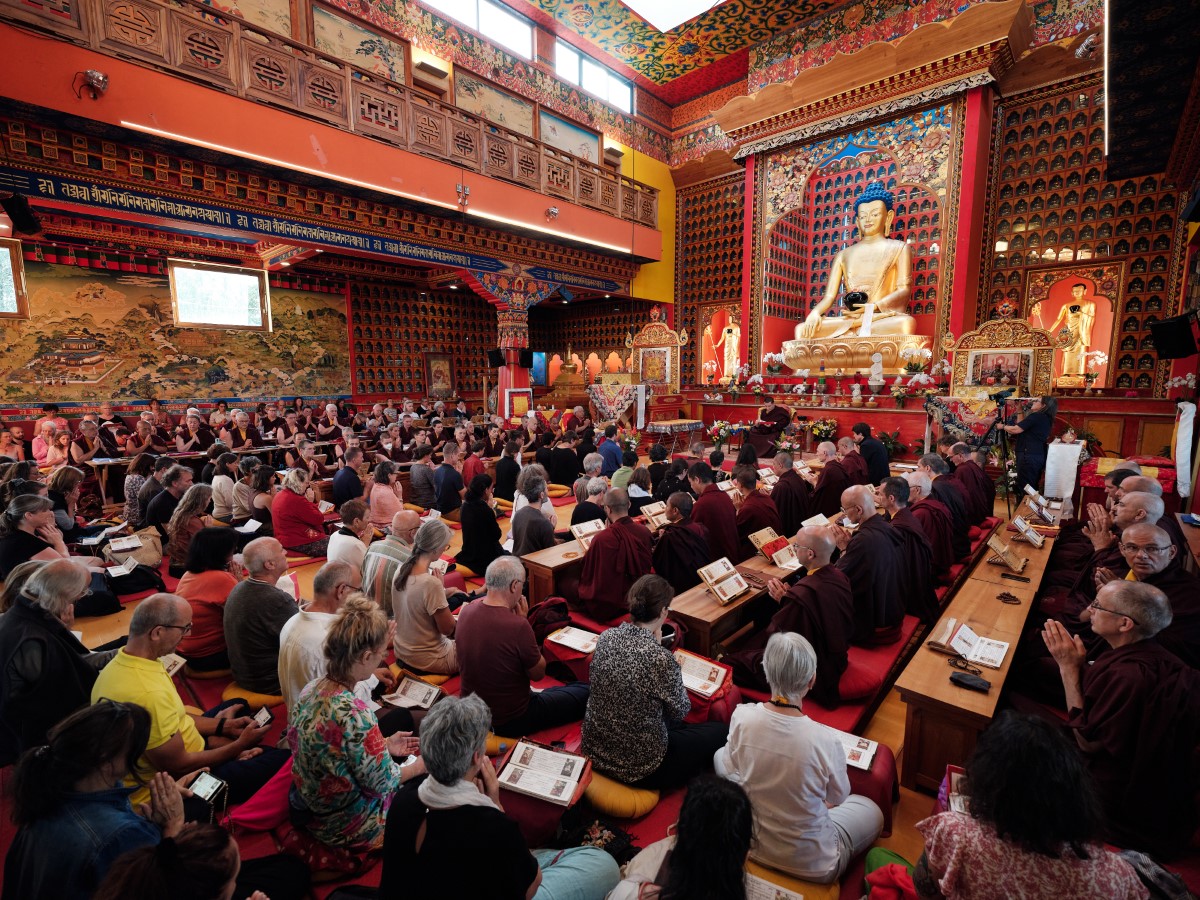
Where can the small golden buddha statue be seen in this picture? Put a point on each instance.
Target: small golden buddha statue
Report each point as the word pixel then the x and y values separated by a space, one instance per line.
pixel 875 270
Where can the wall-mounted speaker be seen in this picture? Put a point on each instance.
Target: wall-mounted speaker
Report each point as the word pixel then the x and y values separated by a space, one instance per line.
pixel 495 358
pixel 1174 338
pixel 525 361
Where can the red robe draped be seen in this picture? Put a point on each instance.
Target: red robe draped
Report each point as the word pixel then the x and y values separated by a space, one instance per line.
pixel 1182 636
pixel 950 496
pixel 714 510
pixel 856 468
pixel 756 513
pixel 680 550
pixel 919 597
pixel 819 606
pixel 976 496
pixel 934 520
pixel 763 435
pixel 874 562
pixel 792 496
pixel 827 494
pixel 617 557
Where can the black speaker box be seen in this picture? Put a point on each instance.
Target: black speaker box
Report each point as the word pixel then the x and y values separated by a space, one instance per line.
pixel 526 359
pixel 1174 338
pixel 495 358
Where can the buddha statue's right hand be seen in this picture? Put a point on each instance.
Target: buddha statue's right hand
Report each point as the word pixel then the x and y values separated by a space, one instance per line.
pixel 811 325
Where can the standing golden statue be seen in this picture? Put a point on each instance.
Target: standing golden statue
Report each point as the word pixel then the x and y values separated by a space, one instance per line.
pixel 876 273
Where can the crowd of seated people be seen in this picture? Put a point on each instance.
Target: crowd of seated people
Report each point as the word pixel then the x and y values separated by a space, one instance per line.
pixel 1120 668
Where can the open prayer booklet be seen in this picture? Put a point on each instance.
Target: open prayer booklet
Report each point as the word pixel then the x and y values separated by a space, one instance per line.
pixel 1005 555
pixel 172 662
pixel 859 751
pixel 801 467
pixel 123 569
pixel 107 532
pixel 1026 532
pixel 960 640
pixel 575 638
pixel 768 477
pixel 412 693
pixel 728 485
pixel 777 550
pixel 124 544
pixel 761 889
pixel 724 580
pixel 325 507
pixel 816 521
pixel 701 676
pixel 656 514
pixel 585 532
pixel 541 772
pixel 249 527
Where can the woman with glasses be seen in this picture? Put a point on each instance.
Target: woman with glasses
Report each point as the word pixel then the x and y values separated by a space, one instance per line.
pixel 794 770
pixel 45 672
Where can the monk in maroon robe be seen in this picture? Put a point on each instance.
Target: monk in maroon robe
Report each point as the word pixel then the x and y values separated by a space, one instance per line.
pixel 934 520
pixel 819 606
pixel 873 559
pixel 829 485
pixel 791 494
pixel 755 511
pixel 681 546
pixel 978 490
pixel 919 597
pixel 616 558
pixel 714 510
pixel 853 462
pixel 763 434
pixel 950 495
pixel 1135 712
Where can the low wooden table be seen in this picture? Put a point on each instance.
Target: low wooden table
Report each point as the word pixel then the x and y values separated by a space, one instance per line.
pixel 943 721
pixel 707 620
pixel 545 569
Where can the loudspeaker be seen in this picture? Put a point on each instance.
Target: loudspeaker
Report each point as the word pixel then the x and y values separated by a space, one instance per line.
pixel 525 361
pixel 495 358
pixel 1174 337
pixel 24 219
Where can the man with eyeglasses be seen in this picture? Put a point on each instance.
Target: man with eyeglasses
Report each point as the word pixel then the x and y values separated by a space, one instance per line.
pixel 498 656
pixel 224 739
pixel 820 606
pixel 873 559
pixel 1135 713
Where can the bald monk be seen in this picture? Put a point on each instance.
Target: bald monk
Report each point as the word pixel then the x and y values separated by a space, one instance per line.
pixel 755 511
pixel 828 486
pixel 681 546
pixel 950 496
pixel 772 420
pixel 1152 559
pixel 1145 484
pixel 819 606
pixel 919 597
pixel 616 558
pixel 873 559
pixel 1072 548
pixel 1135 713
pixel 978 490
pixel 852 461
pixel 714 510
pixel 792 494
pixel 934 520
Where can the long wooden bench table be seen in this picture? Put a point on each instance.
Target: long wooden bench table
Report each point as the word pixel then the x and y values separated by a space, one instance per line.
pixel 545 569
pixel 943 721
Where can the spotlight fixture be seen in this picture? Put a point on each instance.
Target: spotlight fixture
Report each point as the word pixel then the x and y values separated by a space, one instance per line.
pixel 551 213
pixel 94 80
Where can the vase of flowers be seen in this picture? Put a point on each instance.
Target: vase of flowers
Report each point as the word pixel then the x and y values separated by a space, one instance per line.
pixel 899 394
pixel 719 433
pixel 915 359
pixel 823 429
pixel 1093 361
pixel 628 439
pixel 710 371
pixel 773 362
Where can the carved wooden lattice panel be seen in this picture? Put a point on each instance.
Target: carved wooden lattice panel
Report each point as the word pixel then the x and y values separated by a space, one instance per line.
pixel 466 144
pixel 428 131
pixel 628 201
pixel 528 167
pixel 61 16
pixel 499 158
pixel 270 74
pixel 204 49
pixel 323 93
pixel 647 209
pixel 609 191
pixel 559 177
pixel 135 28
pixel 379 113
pixel 589 188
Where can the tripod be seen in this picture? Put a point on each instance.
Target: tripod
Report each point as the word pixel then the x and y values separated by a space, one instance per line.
pixel 1002 420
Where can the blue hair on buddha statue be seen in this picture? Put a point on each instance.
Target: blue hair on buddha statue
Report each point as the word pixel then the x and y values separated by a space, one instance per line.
pixel 875 190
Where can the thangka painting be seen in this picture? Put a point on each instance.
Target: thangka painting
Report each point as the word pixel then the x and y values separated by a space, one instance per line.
pixel 568 137
pixel 474 95
pixel 439 375
pixel 273 15
pixel 111 336
pixel 357 45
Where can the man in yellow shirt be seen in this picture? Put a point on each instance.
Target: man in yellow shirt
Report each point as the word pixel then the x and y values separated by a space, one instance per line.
pixel 224 740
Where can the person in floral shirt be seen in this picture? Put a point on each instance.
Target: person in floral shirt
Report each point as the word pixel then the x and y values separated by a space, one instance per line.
pixel 343 769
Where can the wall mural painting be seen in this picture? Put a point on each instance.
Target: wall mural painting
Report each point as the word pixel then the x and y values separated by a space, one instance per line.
pixel 273 15
pixel 98 336
pixel 568 137
pixel 479 97
pixel 359 46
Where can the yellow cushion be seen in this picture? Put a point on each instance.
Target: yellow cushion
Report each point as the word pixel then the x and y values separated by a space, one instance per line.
pixel 497 744
pixel 807 889
pixel 414 507
pixel 503 504
pixel 253 699
pixel 464 571
pixel 193 711
pixel 620 801
pixel 189 672
pixel 557 490
pixel 399 670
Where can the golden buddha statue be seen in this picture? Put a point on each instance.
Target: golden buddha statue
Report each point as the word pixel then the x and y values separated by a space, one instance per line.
pixel 876 270
pixel 876 274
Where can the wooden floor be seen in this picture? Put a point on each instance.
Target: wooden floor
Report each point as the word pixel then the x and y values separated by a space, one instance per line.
pixel 886 727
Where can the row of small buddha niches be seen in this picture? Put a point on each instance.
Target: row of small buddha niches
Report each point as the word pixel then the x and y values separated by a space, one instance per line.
pixel 596 332
pixel 1058 223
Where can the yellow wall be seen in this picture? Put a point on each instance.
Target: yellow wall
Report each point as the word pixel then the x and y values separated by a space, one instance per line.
pixel 654 281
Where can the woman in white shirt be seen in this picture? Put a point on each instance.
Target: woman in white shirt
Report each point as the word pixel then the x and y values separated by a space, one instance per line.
pixel 349 543
pixel 424 621
pixel 794 769
pixel 222 487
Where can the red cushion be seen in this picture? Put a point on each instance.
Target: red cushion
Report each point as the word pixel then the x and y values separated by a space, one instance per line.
pixel 860 681
pixel 955 571
pixel 586 622
pixel 973 533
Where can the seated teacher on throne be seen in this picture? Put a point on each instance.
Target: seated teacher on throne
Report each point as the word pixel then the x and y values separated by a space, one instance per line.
pixel 772 420
pixel 875 270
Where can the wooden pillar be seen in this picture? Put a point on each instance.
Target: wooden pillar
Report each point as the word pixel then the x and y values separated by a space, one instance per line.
pixel 965 292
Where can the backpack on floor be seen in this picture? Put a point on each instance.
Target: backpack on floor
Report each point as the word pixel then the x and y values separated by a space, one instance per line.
pixel 548 616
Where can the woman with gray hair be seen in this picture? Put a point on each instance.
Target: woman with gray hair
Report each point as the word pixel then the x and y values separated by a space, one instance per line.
pixel 458 805
pixel 45 672
pixel 422 607
pixel 794 769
